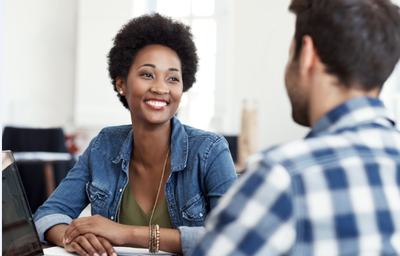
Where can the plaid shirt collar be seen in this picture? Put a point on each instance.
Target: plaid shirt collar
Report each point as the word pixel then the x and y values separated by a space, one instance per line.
pixel 356 111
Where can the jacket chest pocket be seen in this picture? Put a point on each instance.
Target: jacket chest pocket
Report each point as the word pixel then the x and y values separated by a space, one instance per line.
pixel 97 197
pixel 195 211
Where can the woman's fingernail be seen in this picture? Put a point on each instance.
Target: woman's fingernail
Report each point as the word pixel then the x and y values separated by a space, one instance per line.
pixel 114 254
pixel 95 254
pixel 104 254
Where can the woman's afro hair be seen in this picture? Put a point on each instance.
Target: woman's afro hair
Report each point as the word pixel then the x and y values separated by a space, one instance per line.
pixel 147 30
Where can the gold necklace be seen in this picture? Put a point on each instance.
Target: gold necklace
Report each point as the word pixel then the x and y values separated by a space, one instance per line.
pixel 159 187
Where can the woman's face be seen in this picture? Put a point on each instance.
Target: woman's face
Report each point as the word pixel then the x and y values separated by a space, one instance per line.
pixel 154 85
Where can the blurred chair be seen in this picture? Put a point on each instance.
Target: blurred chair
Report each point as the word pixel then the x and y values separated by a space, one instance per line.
pixel 247 140
pixel 233 147
pixel 32 174
pixel 232 143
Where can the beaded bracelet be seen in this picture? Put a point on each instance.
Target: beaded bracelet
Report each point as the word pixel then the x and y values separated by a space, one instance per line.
pixel 151 250
pixel 157 239
pixel 154 240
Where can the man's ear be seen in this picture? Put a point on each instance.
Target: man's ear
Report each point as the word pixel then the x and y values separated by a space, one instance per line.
pixel 307 55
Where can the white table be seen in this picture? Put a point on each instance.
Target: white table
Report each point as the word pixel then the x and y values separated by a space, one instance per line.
pixel 47 159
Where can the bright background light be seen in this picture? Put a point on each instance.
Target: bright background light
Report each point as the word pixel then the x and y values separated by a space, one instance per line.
pixel 54 65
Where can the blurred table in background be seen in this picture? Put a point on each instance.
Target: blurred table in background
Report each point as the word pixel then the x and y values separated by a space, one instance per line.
pixel 47 159
pixel 41 173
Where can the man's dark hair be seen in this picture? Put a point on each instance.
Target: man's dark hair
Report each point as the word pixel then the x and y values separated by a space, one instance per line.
pixel 357 40
pixel 147 30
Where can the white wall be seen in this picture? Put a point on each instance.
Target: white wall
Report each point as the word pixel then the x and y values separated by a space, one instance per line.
pixel 54 68
pixel 38 62
pixel 96 103
pixel 260 37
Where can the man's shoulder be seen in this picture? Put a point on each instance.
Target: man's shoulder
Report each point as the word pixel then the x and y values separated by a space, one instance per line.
pixel 287 151
pixel 300 154
pixel 328 150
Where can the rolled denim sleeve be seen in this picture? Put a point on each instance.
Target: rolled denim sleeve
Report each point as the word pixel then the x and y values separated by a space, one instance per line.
pixel 43 224
pixel 189 237
pixel 67 201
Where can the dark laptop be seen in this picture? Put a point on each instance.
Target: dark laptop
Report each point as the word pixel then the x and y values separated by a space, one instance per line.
pixel 19 235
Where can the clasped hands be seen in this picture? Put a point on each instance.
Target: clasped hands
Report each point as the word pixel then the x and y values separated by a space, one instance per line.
pixel 93 236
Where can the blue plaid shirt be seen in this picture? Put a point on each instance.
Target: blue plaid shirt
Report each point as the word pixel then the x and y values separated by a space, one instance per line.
pixel 335 193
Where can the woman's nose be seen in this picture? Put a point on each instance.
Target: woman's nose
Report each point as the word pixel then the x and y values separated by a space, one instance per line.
pixel 159 88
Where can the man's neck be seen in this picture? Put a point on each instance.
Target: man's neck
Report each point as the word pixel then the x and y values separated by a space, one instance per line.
pixel 326 94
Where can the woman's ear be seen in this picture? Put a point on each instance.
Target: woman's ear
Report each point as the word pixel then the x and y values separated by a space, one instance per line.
pixel 119 83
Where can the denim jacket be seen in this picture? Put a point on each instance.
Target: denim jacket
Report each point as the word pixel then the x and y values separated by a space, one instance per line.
pixel 202 170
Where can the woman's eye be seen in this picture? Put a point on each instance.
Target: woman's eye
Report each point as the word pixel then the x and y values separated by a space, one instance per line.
pixel 148 75
pixel 174 79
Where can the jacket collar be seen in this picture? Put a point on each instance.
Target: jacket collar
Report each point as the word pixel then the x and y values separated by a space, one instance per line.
pixel 179 146
pixel 126 149
pixel 356 111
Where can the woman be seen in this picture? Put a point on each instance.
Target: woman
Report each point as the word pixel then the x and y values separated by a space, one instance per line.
pixel 155 171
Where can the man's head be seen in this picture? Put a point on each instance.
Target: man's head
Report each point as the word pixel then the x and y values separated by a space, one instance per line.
pixel 357 41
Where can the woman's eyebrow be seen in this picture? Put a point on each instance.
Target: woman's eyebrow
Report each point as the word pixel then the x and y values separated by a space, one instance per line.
pixel 154 66
pixel 173 69
pixel 147 65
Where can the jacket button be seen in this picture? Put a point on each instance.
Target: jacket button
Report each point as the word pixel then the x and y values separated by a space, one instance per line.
pixel 112 217
pixel 91 196
pixel 124 162
pixel 120 190
pixel 171 206
pixel 201 214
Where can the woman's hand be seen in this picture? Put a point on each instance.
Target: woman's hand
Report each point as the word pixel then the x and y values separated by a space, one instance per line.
pixel 99 226
pixel 115 233
pixel 90 244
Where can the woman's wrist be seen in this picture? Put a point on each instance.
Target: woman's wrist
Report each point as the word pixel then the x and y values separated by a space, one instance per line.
pixel 136 235
pixel 55 234
pixel 131 234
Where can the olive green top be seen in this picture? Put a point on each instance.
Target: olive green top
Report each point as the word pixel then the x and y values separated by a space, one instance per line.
pixel 132 214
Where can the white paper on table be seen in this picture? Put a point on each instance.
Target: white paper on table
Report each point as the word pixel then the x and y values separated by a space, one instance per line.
pixel 41 156
pixel 57 250
pixel 60 251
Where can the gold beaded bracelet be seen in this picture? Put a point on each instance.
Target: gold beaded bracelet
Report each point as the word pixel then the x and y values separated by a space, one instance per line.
pixel 151 239
pixel 157 239
pixel 154 240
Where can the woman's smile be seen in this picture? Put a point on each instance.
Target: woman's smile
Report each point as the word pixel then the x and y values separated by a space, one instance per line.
pixel 156 104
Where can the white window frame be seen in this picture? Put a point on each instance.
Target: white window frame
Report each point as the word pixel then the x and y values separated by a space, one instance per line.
pixel 390 95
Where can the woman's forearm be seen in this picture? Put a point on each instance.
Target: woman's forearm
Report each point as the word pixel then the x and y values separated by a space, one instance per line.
pixel 55 234
pixel 170 239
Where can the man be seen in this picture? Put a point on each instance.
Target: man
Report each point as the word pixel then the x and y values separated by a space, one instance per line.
pixel 338 191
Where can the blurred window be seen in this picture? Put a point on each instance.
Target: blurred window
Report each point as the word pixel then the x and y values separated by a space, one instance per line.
pixel 390 95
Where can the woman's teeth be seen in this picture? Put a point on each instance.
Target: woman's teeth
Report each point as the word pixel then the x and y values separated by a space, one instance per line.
pixel 156 103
